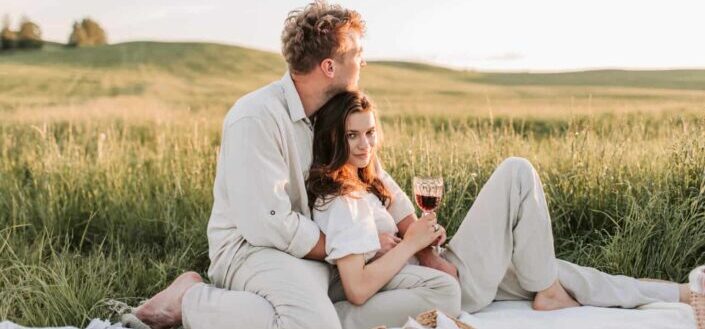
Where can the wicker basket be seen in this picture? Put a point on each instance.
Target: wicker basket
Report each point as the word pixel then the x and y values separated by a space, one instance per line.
pixel 697 301
pixel 697 294
pixel 428 319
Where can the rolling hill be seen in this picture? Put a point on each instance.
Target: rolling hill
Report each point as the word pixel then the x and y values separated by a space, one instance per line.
pixel 206 75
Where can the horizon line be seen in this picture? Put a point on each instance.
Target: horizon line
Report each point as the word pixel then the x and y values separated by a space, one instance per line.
pixel 457 68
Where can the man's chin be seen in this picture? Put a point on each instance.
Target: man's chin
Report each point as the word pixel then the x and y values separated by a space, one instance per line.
pixel 337 90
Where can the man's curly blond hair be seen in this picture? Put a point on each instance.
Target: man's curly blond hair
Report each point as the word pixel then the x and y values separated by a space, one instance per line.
pixel 315 33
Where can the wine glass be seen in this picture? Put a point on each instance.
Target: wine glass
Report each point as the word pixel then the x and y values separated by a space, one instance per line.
pixel 428 192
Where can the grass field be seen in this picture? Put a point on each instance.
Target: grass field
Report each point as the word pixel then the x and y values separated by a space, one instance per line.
pixel 107 159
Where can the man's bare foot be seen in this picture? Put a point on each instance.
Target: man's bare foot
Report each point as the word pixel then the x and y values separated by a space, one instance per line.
pixel 164 309
pixel 553 298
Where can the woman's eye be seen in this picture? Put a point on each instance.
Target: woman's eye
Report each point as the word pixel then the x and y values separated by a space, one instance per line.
pixel 351 136
pixel 371 133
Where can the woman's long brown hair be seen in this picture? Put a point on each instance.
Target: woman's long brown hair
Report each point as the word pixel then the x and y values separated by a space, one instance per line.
pixel 328 177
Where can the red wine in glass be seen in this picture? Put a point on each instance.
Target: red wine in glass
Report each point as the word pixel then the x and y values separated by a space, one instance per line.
pixel 428 203
pixel 428 192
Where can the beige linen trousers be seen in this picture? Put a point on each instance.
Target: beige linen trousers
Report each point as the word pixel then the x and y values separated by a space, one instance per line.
pixel 273 289
pixel 503 250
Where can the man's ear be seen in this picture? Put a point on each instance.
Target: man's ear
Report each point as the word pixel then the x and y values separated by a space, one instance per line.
pixel 328 67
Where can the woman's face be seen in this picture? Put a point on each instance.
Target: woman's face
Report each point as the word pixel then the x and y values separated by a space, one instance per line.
pixel 362 138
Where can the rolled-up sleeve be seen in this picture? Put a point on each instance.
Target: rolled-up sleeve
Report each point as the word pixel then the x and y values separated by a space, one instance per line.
pixel 401 205
pixel 257 180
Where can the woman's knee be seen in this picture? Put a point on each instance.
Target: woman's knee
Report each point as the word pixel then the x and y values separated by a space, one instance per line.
pixel 516 164
pixel 448 294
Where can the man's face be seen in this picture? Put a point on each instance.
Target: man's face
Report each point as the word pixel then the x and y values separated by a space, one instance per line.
pixel 347 73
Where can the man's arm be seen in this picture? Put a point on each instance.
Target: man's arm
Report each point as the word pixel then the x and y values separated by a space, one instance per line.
pixel 256 176
pixel 319 250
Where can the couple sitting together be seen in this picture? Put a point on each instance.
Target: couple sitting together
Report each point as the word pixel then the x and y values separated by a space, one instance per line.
pixel 308 230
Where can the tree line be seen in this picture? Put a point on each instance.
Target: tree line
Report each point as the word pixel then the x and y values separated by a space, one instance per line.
pixel 87 32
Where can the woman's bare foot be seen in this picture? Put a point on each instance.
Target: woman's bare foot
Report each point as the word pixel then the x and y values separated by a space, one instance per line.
pixel 164 309
pixel 684 293
pixel 553 298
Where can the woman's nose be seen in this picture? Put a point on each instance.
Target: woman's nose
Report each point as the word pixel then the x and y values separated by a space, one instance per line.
pixel 364 144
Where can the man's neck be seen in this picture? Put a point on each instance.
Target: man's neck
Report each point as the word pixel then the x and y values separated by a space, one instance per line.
pixel 312 92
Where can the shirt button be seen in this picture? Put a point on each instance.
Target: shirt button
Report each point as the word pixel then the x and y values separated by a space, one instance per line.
pixel 272 212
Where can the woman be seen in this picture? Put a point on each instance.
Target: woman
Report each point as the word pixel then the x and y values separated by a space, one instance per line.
pixel 502 250
pixel 346 195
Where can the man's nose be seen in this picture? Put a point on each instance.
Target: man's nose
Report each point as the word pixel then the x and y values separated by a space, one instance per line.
pixel 363 63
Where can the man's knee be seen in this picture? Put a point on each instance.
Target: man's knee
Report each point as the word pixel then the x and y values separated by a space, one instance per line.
pixel 297 289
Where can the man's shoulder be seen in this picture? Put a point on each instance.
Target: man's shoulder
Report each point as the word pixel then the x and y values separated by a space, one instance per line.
pixel 266 103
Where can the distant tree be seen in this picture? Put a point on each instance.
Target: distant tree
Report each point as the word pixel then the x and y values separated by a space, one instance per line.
pixel 30 35
pixel 87 33
pixel 8 38
pixel 94 31
pixel 78 36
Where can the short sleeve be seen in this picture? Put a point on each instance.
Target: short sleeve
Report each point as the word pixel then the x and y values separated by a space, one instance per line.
pixel 350 229
pixel 401 205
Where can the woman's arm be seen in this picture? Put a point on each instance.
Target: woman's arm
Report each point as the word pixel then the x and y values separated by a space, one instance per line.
pixel 361 281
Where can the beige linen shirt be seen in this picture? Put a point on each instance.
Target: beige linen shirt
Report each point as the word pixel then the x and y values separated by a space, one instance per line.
pixel 259 191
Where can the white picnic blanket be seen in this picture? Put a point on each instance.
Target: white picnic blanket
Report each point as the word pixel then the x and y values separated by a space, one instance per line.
pixel 94 324
pixel 518 314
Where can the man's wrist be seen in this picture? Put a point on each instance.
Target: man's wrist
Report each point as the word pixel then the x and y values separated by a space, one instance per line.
pixel 428 256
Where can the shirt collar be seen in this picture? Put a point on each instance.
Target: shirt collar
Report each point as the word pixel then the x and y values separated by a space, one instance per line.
pixel 293 101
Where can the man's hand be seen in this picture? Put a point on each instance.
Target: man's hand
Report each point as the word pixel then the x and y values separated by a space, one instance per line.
pixel 387 241
pixel 429 258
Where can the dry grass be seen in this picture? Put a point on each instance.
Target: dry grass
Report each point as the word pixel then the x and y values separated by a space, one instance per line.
pixel 107 160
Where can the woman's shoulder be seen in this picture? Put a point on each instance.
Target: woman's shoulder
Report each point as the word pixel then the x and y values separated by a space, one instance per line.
pixel 352 202
pixel 339 200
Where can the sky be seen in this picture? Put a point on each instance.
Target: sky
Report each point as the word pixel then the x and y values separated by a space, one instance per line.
pixel 487 35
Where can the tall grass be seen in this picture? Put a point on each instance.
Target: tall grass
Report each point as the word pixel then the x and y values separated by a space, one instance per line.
pixel 116 207
pixel 107 162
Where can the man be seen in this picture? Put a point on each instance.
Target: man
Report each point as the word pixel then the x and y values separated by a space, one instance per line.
pixel 265 250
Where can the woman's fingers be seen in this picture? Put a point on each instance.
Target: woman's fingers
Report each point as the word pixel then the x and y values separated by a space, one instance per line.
pixel 429 216
pixel 443 237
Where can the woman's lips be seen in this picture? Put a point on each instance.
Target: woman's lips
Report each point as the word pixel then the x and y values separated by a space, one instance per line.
pixel 362 155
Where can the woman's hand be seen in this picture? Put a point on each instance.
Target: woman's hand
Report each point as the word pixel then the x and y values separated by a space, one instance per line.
pixel 387 241
pixel 442 238
pixel 423 232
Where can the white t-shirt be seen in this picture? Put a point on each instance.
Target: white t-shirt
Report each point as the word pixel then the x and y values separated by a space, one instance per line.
pixel 352 225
